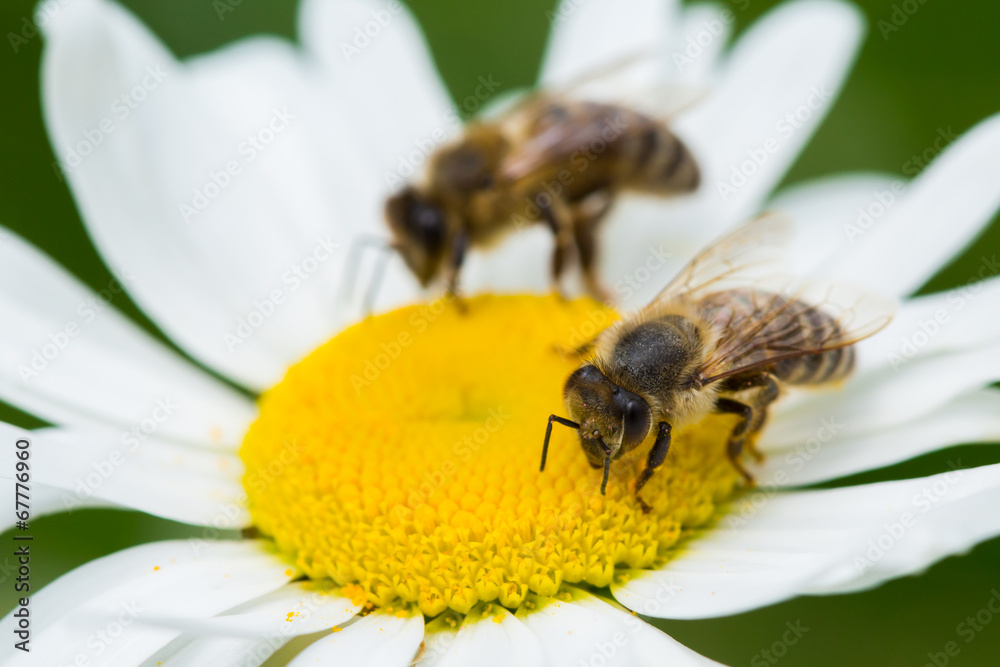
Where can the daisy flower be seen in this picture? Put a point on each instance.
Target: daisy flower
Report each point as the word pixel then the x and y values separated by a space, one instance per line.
pixel 386 480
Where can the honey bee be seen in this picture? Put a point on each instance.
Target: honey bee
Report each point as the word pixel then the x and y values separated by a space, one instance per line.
pixel 723 336
pixel 550 160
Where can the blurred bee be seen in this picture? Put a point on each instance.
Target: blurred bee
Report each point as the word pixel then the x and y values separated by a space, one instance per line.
pixel 549 160
pixel 718 339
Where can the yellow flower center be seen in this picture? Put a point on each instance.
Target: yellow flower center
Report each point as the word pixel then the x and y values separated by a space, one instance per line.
pixel 400 460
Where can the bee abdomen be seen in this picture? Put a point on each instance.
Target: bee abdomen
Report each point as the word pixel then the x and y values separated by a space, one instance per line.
pixel 660 162
pixel 814 328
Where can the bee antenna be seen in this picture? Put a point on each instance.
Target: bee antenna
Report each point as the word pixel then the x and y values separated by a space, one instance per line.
pixel 548 434
pixel 352 266
pixel 607 472
pixel 378 273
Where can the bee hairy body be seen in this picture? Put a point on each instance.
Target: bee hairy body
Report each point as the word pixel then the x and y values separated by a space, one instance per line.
pixel 715 339
pixel 553 162
pixel 614 148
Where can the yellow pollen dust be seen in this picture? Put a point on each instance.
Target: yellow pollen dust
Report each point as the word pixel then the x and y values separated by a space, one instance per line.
pixel 400 460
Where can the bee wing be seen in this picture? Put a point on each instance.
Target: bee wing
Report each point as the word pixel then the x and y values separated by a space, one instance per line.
pixel 556 143
pixel 740 258
pixel 578 87
pixel 777 329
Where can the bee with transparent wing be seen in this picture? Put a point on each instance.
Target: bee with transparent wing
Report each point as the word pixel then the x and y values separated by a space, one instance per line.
pixel 723 336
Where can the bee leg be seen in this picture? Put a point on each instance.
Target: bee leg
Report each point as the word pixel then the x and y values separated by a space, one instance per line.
pixel 735 445
pixel 657 455
pixel 559 219
pixel 586 217
pixel 458 248
pixel 769 390
pixel 576 352
pixel 768 394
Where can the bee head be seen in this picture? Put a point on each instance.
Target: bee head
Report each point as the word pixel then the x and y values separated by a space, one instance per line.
pixel 420 230
pixel 612 420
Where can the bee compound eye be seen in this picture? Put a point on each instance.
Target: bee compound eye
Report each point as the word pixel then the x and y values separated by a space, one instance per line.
pixel 637 422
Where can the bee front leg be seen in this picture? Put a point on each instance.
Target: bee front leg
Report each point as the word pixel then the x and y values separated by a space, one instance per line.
pixel 455 261
pixel 657 455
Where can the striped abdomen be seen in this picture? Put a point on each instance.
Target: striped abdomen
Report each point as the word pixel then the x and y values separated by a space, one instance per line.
pixel 782 326
pixel 654 160
pixel 604 146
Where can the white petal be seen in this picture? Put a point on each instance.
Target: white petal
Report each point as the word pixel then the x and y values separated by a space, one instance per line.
pixel 379 640
pixel 587 631
pixel 941 516
pixel 294 609
pixel 496 639
pixel 112 595
pixel 945 209
pixel 587 37
pixel 439 635
pixel 704 31
pixel 222 191
pixel 87 467
pixel 826 210
pixel 945 322
pixel 970 418
pixel 797 55
pixel 775 545
pixel 885 397
pixel 249 634
pixel 385 81
pixel 186 651
pixel 74 360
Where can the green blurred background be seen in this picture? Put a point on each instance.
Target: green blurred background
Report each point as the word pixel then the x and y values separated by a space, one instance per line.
pixel 941 69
